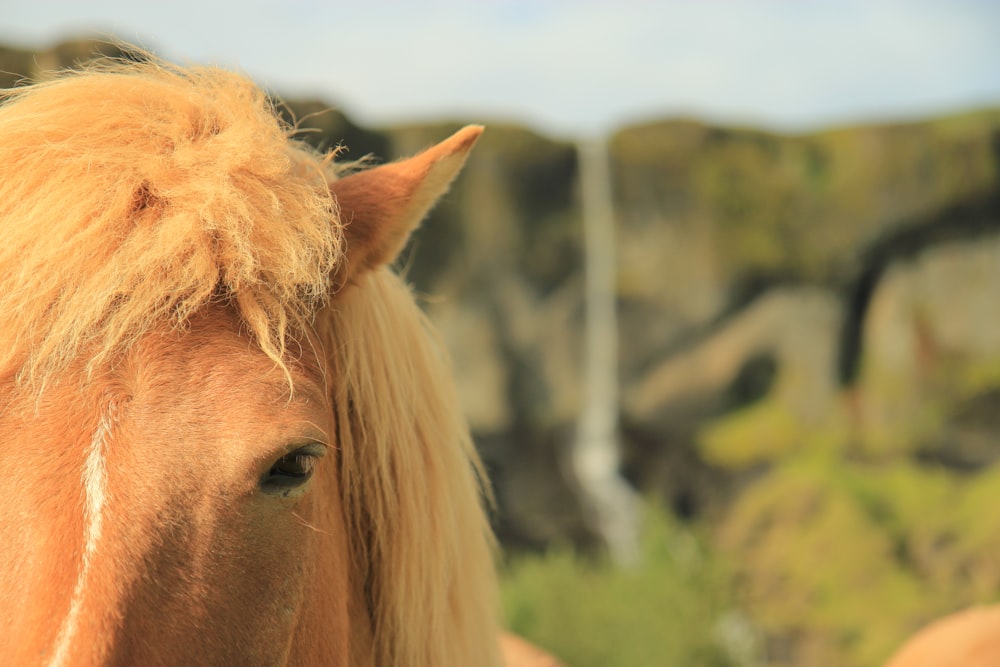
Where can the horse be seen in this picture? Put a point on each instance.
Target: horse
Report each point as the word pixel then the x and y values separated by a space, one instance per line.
pixel 230 435
pixel 970 638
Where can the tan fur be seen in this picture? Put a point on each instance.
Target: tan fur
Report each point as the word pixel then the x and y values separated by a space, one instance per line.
pixel 167 261
pixel 519 653
pixel 402 192
pixel 969 638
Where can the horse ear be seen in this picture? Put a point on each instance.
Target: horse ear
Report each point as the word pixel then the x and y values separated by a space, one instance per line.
pixel 379 207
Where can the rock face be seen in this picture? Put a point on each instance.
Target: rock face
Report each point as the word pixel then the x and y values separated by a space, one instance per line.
pixel 708 216
pixel 931 337
pixel 782 347
pixel 736 250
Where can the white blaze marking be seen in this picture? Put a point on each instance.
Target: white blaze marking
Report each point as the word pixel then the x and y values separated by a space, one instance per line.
pixel 94 487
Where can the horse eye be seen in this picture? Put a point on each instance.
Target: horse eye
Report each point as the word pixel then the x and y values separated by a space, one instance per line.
pixel 291 470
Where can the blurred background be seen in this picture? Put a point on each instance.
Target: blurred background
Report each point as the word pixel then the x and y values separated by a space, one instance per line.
pixel 721 282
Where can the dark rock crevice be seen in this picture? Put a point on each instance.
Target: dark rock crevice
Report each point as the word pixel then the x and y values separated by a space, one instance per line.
pixel 968 220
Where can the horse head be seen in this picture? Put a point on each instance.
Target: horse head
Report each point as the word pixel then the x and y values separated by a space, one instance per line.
pixel 229 436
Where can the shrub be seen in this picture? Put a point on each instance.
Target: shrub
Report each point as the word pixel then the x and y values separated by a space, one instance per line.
pixel 672 608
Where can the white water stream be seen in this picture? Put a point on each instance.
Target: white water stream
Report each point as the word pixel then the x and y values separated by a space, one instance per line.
pixel 596 453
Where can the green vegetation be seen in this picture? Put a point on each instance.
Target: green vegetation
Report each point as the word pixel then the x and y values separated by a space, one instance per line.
pixel 846 543
pixel 673 608
pixel 823 561
pixel 767 431
pixel 857 556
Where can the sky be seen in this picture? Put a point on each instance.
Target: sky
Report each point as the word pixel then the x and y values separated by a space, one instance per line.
pixel 571 68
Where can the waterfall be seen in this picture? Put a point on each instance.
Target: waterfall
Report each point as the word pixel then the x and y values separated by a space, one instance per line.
pixel 596 455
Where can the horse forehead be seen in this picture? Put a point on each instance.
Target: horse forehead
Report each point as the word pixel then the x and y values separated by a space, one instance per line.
pixel 211 383
pixel 214 358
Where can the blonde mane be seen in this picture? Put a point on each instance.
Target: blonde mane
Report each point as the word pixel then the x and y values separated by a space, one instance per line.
pixel 409 477
pixel 142 193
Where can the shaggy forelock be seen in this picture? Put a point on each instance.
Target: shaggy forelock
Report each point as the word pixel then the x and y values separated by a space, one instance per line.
pixel 135 194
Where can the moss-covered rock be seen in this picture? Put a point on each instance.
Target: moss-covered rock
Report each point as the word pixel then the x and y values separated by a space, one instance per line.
pixel 708 215
pixel 841 561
